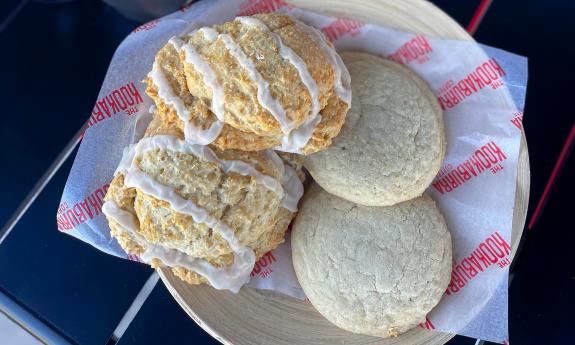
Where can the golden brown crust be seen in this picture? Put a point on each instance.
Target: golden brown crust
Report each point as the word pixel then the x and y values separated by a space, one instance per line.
pixel 253 211
pixel 248 125
pixel 332 119
pixel 189 277
pixel 124 198
pixel 235 139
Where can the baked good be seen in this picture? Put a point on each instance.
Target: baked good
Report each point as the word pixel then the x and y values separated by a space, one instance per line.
pixel 261 82
pixel 207 214
pixel 392 143
pixel 371 270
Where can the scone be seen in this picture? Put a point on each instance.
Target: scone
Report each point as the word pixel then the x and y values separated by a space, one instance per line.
pixel 392 143
pixel 261 82
pixel 371 270
pixel 205 213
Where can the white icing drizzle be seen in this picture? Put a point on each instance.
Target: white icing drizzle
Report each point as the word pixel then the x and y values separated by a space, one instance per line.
pixel 209 34
pixel 290 182
pixel 294 138
pixel 166 92
pixel 299 137
pixel 192 133
pixel 342 77
pixel 231 278
pixel 276 160
pixel 167 142
pixel 208 75
pixel 295 60
pixel 263 93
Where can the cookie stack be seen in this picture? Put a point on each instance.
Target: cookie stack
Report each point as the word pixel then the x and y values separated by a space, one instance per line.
pixel 205 192
pixel 240 109
pixel 370 249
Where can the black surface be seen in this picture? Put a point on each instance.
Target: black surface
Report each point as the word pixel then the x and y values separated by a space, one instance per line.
pixel 162 321
pixel 69 285
pixel 53 61
pixel 539 30
pixel 461 340
pixel 541 295
pixel 461 11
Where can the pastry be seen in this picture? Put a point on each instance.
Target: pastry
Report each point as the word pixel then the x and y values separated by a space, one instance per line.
pixel 371 270
pixel 254 83
pixel 207 214
pixel 392 143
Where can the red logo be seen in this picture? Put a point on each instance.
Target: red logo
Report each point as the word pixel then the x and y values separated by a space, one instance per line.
pixel 487 73
pixel 147 26
pixel 517 120
pixel 493 250
pixel 69 217
pixel 487 157
pixel 415 49
pixel 124 99
pixel 251 7
pixel 134 257
pixel 340 27
pixel 427 324
pixel 444 170
pixel 62 207
pixel 263 265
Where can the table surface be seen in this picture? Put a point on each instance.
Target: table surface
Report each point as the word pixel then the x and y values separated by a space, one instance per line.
pixel 54 59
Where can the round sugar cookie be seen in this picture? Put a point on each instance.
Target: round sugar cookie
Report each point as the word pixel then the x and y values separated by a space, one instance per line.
pixel 392 143
pixel 371 270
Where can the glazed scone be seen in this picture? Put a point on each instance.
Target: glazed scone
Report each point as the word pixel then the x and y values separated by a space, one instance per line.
pixel 392 143
pixel 371 270
pixel 267 81
pixel 206 213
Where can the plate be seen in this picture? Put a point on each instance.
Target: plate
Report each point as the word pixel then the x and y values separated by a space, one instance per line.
pixel 264 317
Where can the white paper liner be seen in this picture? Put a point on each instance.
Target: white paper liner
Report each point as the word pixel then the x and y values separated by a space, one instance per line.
pixel 481 88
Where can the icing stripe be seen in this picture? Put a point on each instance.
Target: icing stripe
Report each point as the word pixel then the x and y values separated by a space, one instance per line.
pixel 209 34
pixel 192 133
pixel 231 278
pixel 298 137
pixel 295 60
pixel 208 75
pixel 166 142
pixel 290 182
pixel 294 138
pixel 342 77
pixel 167 94
pixel 263 94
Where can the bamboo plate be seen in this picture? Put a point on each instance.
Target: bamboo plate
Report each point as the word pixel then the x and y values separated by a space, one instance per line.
pixel 263 317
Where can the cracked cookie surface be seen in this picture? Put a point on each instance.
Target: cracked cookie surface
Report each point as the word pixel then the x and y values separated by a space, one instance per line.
pixel 392 143
pixel 371 270
pixel 253 211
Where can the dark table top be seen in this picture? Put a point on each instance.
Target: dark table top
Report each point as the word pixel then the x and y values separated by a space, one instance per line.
pixel 55 55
